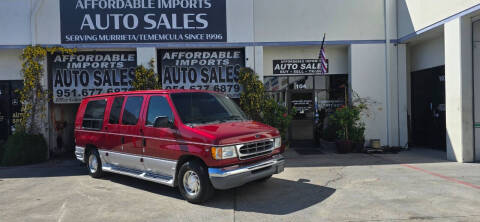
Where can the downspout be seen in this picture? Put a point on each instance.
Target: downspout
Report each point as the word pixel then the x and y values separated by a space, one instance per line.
pixel 387 63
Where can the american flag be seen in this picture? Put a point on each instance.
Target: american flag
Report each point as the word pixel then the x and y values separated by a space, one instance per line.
pixel 323 58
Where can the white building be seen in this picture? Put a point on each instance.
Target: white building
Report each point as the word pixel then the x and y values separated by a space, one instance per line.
pixel 417 60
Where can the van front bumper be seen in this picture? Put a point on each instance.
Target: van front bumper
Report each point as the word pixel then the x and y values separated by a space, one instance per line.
pixel 230 177
pixel 80 153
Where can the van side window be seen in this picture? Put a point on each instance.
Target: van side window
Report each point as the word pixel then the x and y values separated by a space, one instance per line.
pixel 158 106
pixel 115 111
pixel 93 117
pixel 132 109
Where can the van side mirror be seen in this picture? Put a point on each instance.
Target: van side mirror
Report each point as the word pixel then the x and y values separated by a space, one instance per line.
pixel 163 122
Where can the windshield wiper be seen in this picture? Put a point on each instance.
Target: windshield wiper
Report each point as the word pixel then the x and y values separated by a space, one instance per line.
pixel 234 117
pixel 197 121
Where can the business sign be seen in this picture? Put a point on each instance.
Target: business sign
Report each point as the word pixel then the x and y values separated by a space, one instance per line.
pixel 207 69
pixel 142 21
pixel 91 73
pixel 297 66
pixel 330 104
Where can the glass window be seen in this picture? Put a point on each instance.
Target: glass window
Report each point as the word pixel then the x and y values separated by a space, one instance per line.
pixel 115 111
pixel 275 83
pixel 93 117
pixel 132 109
pixel 202 108
pixel 158 106
pixel 300 82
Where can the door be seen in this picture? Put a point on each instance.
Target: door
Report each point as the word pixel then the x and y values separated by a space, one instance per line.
pixel 428 108
pixel 301 127
pixel 160 143
pixel 4 110
pixel 113 138
pixel 10 108
pixel 112 126
pixel 129 155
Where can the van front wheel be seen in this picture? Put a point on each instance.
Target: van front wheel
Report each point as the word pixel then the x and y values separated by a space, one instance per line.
pixel 94 164
pixel 194 183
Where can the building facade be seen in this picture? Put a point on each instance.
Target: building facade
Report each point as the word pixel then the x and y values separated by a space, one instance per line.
pixel 418 65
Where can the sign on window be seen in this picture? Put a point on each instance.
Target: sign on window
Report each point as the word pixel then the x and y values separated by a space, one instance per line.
pixel 208 69
pixel 91 73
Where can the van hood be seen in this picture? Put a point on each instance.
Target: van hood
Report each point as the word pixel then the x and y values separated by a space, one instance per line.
pixel 238 132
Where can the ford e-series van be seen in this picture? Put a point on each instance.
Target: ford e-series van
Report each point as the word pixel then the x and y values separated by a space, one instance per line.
pixel 197 140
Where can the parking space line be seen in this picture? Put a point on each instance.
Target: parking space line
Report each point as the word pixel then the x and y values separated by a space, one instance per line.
pixel 451 179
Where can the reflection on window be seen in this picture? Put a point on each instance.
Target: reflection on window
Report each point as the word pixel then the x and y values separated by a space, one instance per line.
pixel 132 109
pixel 158 106
pixel 115 111
pixel 93 117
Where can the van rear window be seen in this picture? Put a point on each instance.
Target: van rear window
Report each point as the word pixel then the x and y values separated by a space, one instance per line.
pixel 93 117
pixel 115 111
pixel 132 109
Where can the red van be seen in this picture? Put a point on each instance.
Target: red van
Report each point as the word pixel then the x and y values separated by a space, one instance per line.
pixel 197 140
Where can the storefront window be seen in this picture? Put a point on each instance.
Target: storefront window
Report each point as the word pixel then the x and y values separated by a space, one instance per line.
pixel 10 110
pixel 312 97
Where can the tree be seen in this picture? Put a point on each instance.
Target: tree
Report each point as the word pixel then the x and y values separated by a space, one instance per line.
pixel 146 78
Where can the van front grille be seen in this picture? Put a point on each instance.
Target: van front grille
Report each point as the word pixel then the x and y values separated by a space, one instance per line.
pixel 255 149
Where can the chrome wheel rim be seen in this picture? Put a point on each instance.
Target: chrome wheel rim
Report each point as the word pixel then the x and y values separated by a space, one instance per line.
pixel 92 163
pixel 191 183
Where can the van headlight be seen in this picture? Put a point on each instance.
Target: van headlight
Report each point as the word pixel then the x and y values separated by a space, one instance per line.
pixel 226 152
pixel 277 142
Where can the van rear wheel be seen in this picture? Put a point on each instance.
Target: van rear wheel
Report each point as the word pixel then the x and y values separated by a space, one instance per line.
pixel 94 164
pixel 194 183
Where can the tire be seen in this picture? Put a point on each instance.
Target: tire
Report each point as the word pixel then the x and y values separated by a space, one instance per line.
pixel 194 183
pixel 265 179
pixel 94 164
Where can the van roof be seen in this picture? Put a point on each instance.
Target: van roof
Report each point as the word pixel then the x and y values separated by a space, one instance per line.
pixel 162 91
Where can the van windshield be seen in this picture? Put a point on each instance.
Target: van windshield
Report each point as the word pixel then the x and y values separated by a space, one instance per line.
pixel 203 108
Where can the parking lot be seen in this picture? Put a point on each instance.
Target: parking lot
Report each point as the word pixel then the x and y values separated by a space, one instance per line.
pixel 414 185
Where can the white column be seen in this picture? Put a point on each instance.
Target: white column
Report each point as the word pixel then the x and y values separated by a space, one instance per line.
pixel 459 90
pixel 145 55
pixel 367 67
pixel 254 59
pixel 250 57
pixel 476 81
pixel 259 62
pixel 402 94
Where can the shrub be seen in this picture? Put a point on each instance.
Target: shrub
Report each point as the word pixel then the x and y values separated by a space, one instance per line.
pixel 146 78
pixel 253 96
pixel 22 148
pixel 345 118
pixel 277 116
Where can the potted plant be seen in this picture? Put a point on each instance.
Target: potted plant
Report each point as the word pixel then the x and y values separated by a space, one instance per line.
pixel 345 118
pixel 358 137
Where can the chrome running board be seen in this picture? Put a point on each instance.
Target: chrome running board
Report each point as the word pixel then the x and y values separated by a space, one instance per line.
pixel 157 178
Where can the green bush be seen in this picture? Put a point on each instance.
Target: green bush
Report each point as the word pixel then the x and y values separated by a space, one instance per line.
pixel 253 96
pixel 22 148
pixel 277 116
pixel 146 78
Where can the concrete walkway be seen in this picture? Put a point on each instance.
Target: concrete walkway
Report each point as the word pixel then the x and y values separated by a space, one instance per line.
pixel 416 185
